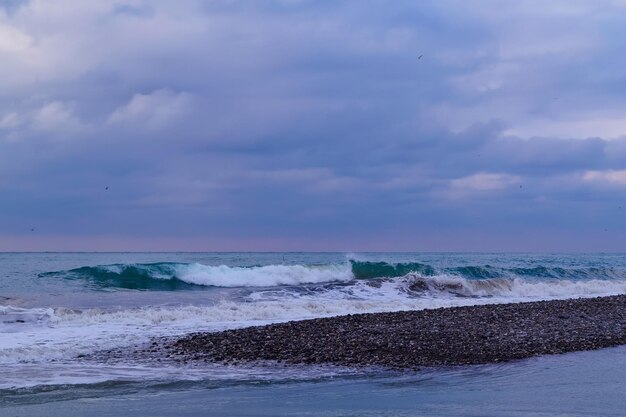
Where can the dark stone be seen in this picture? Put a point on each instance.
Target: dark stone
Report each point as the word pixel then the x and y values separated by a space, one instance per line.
pixel 445 336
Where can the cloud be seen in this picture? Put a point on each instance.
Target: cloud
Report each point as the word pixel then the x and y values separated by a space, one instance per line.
pixel 154 110
pixel 10 121
pixel 284 119
pixel 47 120
pixel 13 40
pixel 483 182
pixel 614 177
pixel 56 117
pixel 132 10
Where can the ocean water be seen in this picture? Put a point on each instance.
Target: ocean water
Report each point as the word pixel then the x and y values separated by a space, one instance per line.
pixel 57 309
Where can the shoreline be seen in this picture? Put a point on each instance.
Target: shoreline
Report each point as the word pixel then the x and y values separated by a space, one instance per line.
pixel 411 339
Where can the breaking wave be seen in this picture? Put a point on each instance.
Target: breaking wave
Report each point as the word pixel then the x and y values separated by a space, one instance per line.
pixel 468 281
pixel 62 333
pixel 180 276
pixel 511 288
pixel 365 270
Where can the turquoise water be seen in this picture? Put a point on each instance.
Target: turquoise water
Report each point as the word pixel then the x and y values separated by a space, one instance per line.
pixel 58 308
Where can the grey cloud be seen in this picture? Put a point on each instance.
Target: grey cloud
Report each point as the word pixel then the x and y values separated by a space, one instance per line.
pixel 132 10
pixel 10 6
pixel 288 119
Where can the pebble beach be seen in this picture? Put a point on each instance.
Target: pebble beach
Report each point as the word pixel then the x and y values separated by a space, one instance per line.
pixel 410 339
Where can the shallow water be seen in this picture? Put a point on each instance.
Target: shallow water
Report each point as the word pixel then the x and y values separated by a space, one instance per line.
pixel 56 308
pixel 578 384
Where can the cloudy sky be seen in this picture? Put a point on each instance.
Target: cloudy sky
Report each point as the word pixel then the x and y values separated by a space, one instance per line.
pixel 313 125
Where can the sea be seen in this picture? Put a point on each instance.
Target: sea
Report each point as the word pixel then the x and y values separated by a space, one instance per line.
pixel 61 312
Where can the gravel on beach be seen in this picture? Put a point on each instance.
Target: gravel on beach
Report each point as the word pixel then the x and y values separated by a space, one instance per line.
pixel 410 339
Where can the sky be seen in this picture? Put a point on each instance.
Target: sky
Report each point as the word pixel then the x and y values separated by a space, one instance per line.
pixel 274 125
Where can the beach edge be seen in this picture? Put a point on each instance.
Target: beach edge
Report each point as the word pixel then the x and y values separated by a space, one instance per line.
pixel 448 336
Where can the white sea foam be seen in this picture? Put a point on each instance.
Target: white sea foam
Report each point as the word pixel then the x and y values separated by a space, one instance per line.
pixel 262 276
pixel 44 334
pixel 15 315
pixel 66 334
pixel 30 375
pixel 39 336
pixel 513 288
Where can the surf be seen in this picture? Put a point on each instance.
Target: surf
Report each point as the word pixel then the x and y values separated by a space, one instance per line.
pixel 188 276
pixel 169 276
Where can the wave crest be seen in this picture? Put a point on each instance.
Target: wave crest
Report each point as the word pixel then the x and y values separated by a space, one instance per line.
pixel 367 270
pixel 180 276
pixel 511 288
pixel 464 280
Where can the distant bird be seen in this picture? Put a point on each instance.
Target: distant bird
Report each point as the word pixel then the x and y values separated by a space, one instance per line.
pixel 520 186
pixel 106 188
pixel 420 57
pixel 32 230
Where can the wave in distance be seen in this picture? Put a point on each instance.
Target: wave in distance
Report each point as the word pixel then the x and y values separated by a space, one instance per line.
pixel 352 277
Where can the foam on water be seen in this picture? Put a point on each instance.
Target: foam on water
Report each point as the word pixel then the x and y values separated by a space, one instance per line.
pixel 61 334
pixel 262 276
pixel 15 319
pixel 184 276
pixel 44 342
pixel 46 345
pixel 513 289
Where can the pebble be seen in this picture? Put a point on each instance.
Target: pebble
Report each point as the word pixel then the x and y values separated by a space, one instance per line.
pixel 411 339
